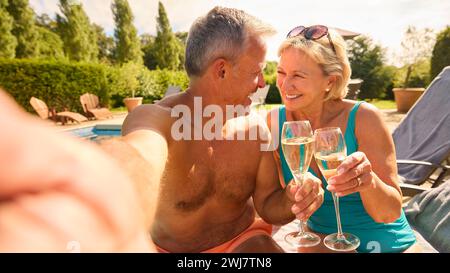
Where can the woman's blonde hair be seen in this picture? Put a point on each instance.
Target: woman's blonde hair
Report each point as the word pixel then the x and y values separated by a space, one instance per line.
pixel 331 63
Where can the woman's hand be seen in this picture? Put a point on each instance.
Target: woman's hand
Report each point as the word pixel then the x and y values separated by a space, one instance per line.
pixel 353 175
pixel 307 198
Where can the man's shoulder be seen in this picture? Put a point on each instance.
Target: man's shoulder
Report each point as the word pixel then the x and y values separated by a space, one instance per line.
pixel 258 120
pixel 258 125
pixel 147 117
pixel 151 108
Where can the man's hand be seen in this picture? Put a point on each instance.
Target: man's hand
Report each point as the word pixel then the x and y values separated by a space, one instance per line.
pixel 58 194
pixel 307 198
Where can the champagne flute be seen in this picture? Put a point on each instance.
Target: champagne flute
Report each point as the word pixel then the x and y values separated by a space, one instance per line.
pixel 330 152
pixel 297 142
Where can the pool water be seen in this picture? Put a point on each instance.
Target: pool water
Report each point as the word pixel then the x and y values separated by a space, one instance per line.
pixel 97 132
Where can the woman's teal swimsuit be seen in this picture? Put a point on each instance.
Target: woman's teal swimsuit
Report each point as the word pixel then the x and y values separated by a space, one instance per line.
pixel 375 237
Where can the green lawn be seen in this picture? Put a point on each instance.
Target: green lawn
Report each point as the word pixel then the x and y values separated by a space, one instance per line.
pixel 118 110
pixel 384 104
pixel 269 107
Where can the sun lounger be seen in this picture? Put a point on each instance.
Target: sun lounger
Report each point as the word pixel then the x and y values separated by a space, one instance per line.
pixel 44 112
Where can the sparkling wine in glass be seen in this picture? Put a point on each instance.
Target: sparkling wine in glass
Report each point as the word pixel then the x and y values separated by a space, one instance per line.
pixel 297 142
pixel 330 152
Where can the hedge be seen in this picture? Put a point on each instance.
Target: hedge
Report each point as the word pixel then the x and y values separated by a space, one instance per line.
pixel 441 53
pixel 59 84
pixel 150 84
pixel 164 78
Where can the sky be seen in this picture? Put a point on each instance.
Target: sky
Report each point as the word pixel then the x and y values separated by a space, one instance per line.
pixel 384 21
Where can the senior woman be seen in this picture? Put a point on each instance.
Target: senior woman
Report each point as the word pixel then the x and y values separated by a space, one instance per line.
pixel 312 76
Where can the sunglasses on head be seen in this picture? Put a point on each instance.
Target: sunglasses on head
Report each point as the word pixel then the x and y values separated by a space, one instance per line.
pixel 311 33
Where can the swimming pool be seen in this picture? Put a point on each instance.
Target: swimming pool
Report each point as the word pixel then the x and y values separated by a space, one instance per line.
pixel 97 132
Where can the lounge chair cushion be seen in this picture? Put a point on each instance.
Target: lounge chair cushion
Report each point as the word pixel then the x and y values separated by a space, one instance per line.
pixel 101 113
pixel 72 115
pixel 429 214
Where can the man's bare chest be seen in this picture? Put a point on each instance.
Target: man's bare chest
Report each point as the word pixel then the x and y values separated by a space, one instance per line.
pixel 198 172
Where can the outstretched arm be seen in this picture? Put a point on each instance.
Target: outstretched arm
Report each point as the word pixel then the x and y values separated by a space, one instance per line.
pixel 142 152
pixel 59 194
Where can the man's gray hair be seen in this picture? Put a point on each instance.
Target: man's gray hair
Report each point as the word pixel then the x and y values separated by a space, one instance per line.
pixel 222 33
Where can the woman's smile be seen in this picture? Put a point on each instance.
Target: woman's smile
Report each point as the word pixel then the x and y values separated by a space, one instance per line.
pixel 291 97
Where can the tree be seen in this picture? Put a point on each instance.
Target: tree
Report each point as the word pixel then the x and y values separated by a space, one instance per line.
pixel 149 55
pixel 441 53
pixel 270 77
pixel 50 44
pixel 8 41
pixel 45 21
pixel 366 60
pixel 418 77
pixel 147 44
pixel 416 46
pixel 24 29
pixel 270 69
pixel 167 48
pixel 182 36
pixel 105 45
pixel 79 37
pixel 392 73
pixel 146 39
pixel 128 46
pixel 181 55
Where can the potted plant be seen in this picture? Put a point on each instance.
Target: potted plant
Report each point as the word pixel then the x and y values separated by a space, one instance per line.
pixel 132 102
pixel 129 83
pixel 416 46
